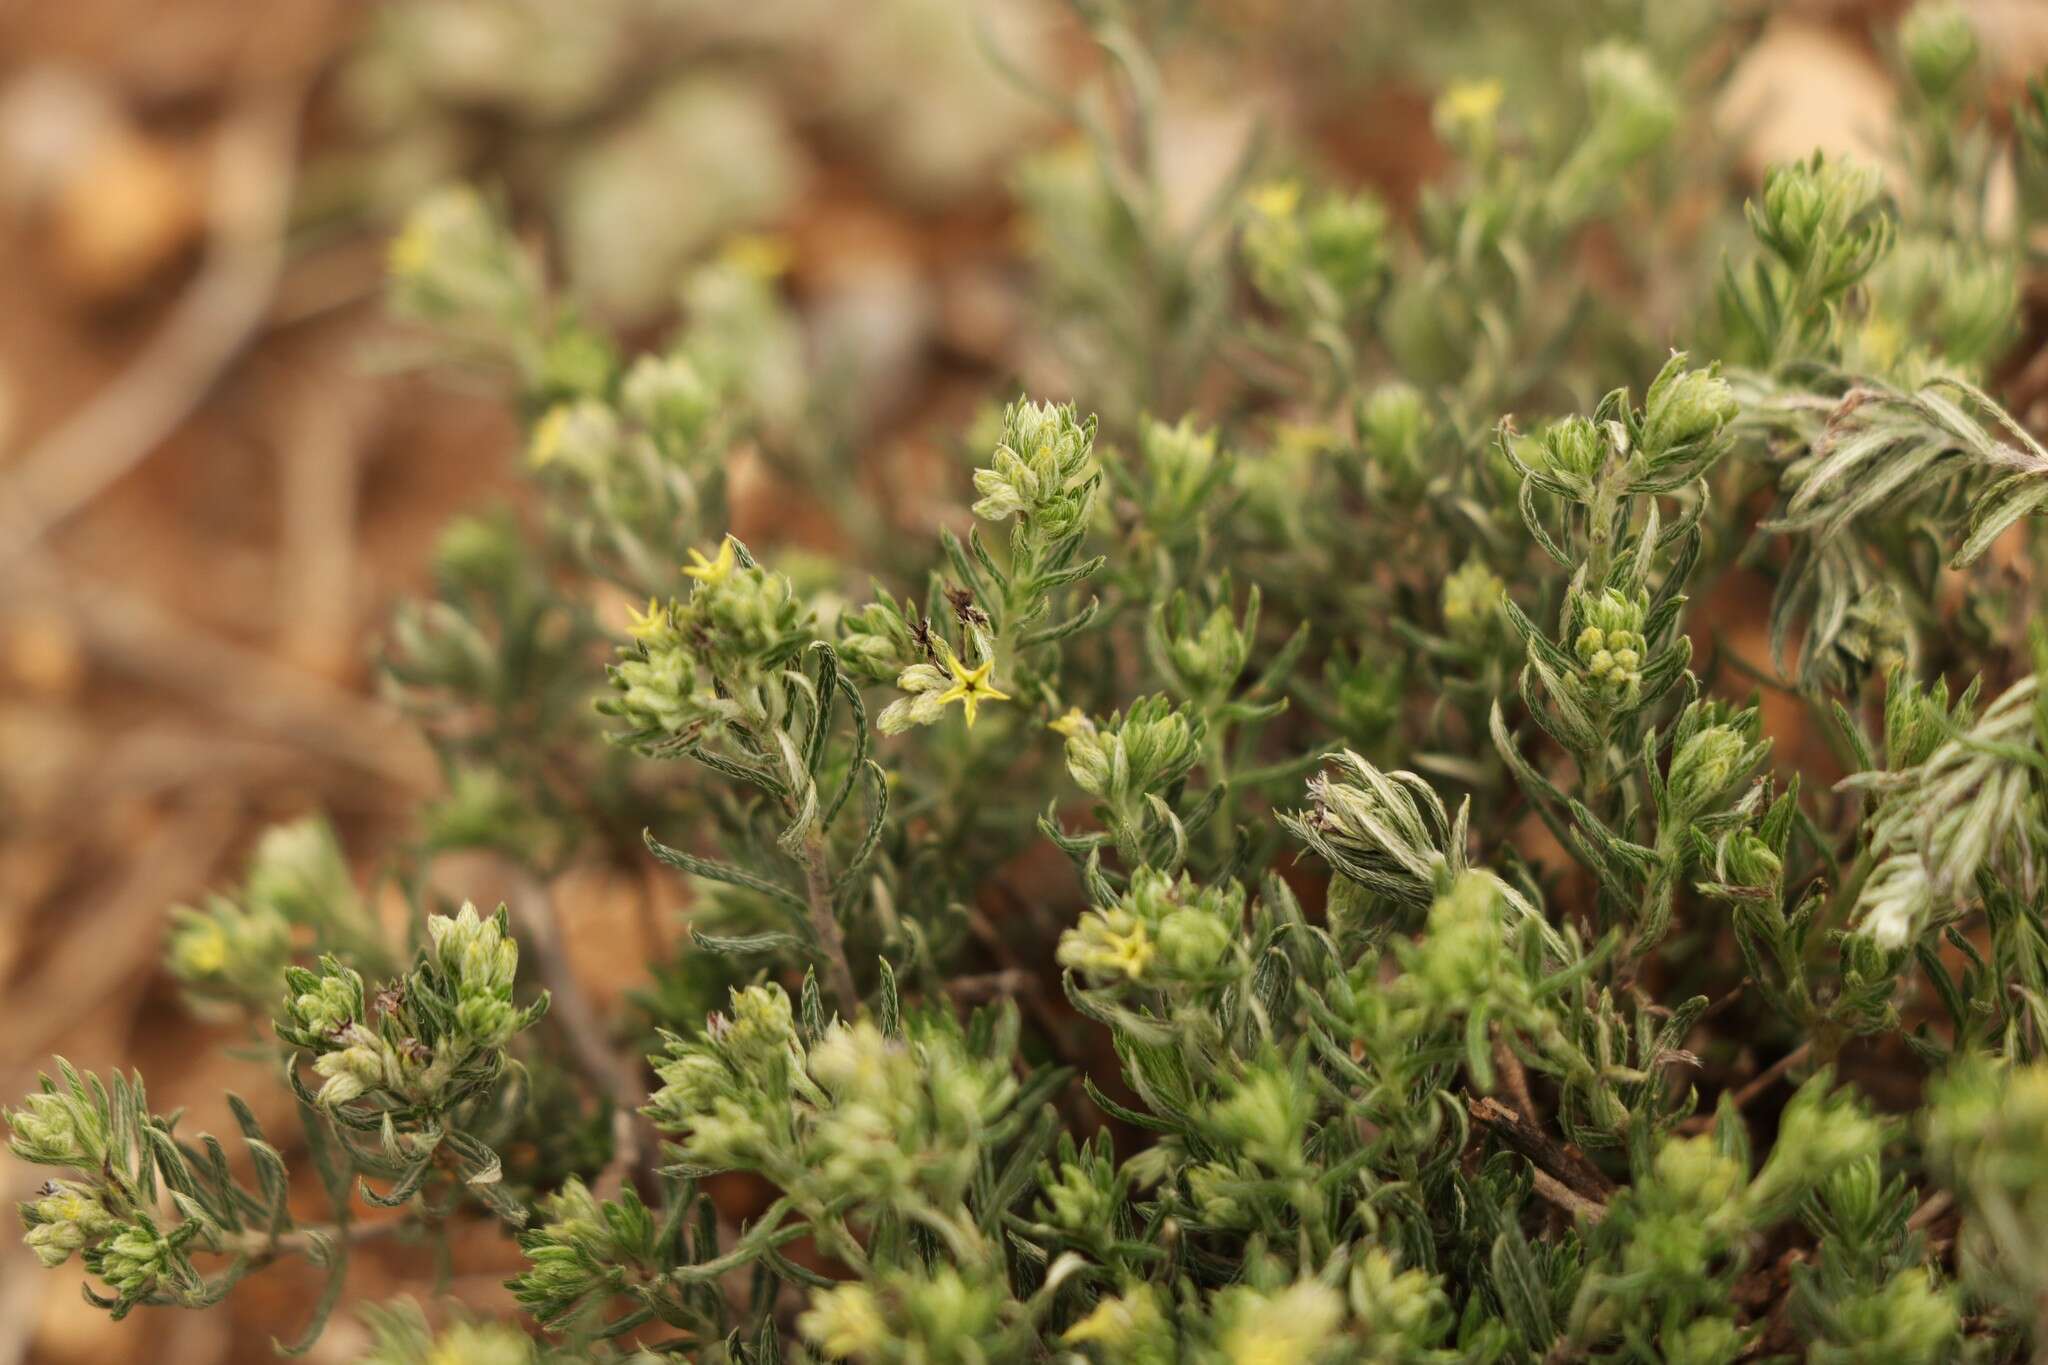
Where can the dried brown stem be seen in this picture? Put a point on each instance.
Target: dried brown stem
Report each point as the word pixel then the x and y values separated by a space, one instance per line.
pixel 1567 1165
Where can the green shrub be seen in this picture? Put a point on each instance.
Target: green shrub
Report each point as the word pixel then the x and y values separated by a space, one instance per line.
pixel 1430 852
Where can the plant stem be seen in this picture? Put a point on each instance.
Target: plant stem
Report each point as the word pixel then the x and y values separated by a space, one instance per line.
pixel 825 923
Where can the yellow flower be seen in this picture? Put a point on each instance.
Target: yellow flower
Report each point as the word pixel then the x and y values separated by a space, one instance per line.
pixel 410 250
pixel 759 255
pixel 204 951
pixel 547 436
pixel 1472 102
pixel 971 686
pixel 1277 199
pixel 1130 953
pixel 712 570
pixel 645 626
pixel 1071 724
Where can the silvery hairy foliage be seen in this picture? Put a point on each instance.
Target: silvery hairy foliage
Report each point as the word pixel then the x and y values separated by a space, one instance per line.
pixel 1410 812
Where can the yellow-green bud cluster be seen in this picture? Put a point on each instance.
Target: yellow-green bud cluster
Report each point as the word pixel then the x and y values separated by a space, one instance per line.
pixel 1043 471
pixel 66 1217
pixel 1160 931
pixel 1610 646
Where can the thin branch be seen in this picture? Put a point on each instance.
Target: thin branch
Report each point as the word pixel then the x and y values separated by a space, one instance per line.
pixel 1565 1197
pixel 615 1077
pixel 1762 1081
pixel 825 923
pixel 1543 1151
pixel 251 191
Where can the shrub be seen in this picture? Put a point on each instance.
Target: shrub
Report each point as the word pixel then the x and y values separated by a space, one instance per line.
pixel 1423 851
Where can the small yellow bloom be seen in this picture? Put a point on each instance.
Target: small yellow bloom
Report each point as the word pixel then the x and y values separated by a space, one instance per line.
pixel 1472 102
pixel 757 254
pixel 547 436
pixel 712 570
pixel 1130 953
pixel 1071 724
pixel 204 951
pixel 971 686
pixel 410 251
pixel 1277 199
pixel 645 626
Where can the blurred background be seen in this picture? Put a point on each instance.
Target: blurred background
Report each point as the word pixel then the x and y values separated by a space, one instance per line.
pixel 221 465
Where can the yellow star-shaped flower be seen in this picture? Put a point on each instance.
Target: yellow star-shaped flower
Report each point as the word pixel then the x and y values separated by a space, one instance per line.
pixel 759 254
pixel 971 686
pixel 642 626
pixel 1278 199
pixel 712 570
pixel 547 436
pixel 1472 102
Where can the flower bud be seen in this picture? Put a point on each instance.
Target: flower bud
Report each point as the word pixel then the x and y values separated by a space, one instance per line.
pixel 1267 1116
pixel 65 1218
pixel 1939 46
pixel 1684 412
pixel 1610 645
pixel 1705 766
pixel 1295 1323
pixel 454 262
pixel 1471 602
pixel 1634 108
pixel 582 437
pixel 669 396
pixel 134 1260
pixel 1127 1327
pixel 1393 423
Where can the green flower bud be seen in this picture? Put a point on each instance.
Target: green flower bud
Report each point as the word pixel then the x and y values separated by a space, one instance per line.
pixel 1136 753
pixel 1194 941
pixel 1909 1321
pixel 1746 860
pixel 58 1128
pixel 133 1261
pixel 65 1218
pixel 1044 470
pixel 1266 1116
pixel 1204 662
pixel 480 554
pixel 845 1321
pixel 477 955
pixel 1684 414
pixel 226 953
pixel 1575 450
pixel 1820 1132
pixel 1634 107
pixel 582 437
pixel 760 1034
pixel 1696 1178
pixel 1346 239
pixel 670 397
pixel 575 363
pixel 1471 602
pixel 1298 1323
pixel 454 262
pixel 1610 645
pixel 1462 961
pixel 1183 472
pixel 298 871
pixel 1819 215
pixel 1404 1312
pixel 1393 424
pixel 1705 1340
pixel 1130 1328
pixel 324 1003
pixel 1940 48
pixel 1705 767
